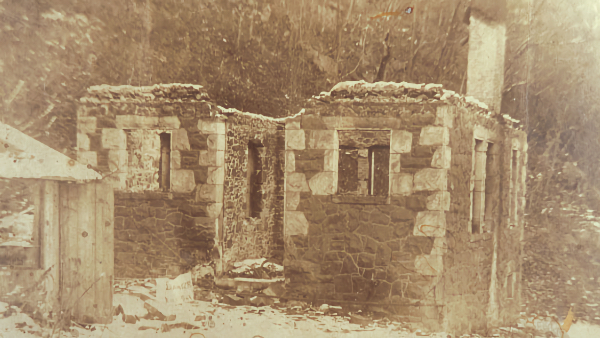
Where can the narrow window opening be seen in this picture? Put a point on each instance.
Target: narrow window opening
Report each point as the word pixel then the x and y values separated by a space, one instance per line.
pixel 514 175
pixel 254 179
pixel 492 188
pixel 164 171
pixel 479 171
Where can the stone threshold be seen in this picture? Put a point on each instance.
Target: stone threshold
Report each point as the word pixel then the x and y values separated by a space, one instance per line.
pixel 246 283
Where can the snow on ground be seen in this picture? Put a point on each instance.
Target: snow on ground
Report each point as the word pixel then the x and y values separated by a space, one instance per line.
pixel 202 319
pixel 220 320
pixel 583 330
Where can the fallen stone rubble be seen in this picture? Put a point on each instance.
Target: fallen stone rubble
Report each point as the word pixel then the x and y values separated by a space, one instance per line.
pixel 135 303
pixel 270 313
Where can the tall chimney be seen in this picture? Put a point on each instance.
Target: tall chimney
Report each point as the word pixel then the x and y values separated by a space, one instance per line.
pixel 487 37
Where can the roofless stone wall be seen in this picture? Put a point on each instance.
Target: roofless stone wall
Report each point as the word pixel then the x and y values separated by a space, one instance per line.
pixel 253 226
pixel 397 227
pixel 165 227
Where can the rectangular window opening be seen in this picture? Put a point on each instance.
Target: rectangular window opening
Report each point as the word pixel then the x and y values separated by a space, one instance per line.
pixel 492 187
pixel 479 172
pixel 363 166
pixel 254 179
pixel 164 171
pixel 514 175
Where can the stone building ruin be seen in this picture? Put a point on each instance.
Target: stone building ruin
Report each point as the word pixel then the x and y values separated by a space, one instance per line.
pixel 406 196
pixel 401 197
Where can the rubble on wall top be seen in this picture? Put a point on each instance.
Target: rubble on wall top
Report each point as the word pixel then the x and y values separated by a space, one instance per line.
pixel 225 111
pixel 403 92
pixel 172 92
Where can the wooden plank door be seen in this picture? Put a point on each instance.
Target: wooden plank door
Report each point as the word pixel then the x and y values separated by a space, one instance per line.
pixel 86 247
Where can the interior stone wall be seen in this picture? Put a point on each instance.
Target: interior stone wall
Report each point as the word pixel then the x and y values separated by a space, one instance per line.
pixel 244 236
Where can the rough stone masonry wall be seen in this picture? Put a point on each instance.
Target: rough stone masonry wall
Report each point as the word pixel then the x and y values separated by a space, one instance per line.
pixel 511 234
pixel 468 265
pixel 244 236
pixel 389 252
pixel 156 233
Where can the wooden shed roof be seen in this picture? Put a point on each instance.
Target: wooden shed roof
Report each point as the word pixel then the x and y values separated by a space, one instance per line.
pixel 22 156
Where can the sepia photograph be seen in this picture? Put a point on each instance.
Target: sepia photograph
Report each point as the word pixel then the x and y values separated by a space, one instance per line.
pixel 299 168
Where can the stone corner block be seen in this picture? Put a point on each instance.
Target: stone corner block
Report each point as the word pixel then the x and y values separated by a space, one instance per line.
pixel 117 180
pixel 216 175
pixel 213 210
pixel 175 159
pixel 431 180
pixel 292 199
pixel 211 158
pixel 136 122
pixel 330 161
pixel 440 246
pixel 86 124
pixel 113 138
pixel 429 265
pixel 209 193
pixel 296 182
pixel 216 142
pixel 83 141
pixel 323 183
pixel 295 140
pixel 442 158
pixel 292 125
pixel 395 163
pixel 401 142
pixel 430 224
pixel 211 127
pixel 295 223
pixel 444 116
pixel 323 139
pixel 290 161
pixel 401 184
pixel 169 122
pixel 439 200
pixel 434 136
pixel 118 160
pixel 179 140
pixel 87 158
pixel 182 180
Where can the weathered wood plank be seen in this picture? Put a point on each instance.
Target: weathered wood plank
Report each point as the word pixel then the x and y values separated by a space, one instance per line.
pixel 72 276
pixel 86 251
pixel 50 235
pixel 104 262
pixel 33 254
pixel 66 289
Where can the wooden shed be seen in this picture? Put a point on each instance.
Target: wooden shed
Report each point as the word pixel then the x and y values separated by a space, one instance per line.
pixel 56 232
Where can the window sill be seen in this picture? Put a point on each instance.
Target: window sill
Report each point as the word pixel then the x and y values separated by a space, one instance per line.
pixel 355 199
pixel 151 195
